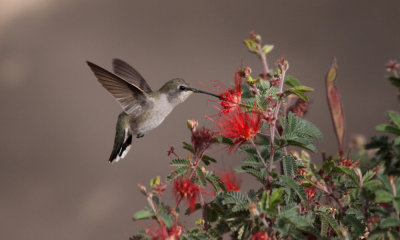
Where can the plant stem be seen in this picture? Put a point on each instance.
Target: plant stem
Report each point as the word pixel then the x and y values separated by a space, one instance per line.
pixel 258 153
pixel 150 201
pixel 197 162
pixel 392 180
pixel 263 59
pixel 276 113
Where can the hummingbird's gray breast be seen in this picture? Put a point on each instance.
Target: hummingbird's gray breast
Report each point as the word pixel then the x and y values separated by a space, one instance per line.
pixel 153 116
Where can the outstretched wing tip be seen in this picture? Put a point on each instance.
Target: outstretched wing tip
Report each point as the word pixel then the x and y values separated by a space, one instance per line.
pixel 128 95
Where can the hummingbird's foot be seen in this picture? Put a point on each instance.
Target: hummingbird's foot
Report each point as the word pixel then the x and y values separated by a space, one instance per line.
pixel 139 135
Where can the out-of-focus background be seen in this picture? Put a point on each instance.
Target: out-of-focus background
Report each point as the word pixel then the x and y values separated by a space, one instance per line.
pixel 57 122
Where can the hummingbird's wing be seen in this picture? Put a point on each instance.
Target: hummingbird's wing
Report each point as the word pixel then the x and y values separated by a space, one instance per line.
pixel 130 97
pixel 129 74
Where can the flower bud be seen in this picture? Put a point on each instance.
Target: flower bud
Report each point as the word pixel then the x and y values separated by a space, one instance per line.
pixel 192 124
pixel 142 189
pixel 255 37
pixel 253 210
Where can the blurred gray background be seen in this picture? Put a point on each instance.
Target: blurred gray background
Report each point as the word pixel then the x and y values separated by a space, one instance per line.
pixel 57 122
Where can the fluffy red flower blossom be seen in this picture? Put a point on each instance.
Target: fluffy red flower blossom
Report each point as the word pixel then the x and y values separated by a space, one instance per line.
pixel 230 180
pixel 238 126
pixel 260 236
pixel 186 189
pixel 231 98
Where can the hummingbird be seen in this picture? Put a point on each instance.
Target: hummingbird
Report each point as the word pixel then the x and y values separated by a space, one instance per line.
pixel 143 108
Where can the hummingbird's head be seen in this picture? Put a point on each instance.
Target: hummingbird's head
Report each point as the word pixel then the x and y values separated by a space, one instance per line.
pixel 177 90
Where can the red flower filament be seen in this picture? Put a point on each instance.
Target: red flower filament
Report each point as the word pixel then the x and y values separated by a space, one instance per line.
pixel 186 189
pixel 230 181
pixel 238 126
pixel 231 98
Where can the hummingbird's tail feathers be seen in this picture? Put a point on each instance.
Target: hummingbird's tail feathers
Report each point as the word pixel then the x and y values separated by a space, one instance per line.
pixel 123 139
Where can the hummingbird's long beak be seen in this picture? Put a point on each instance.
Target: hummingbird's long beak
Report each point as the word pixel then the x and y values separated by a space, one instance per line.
pixel 201 91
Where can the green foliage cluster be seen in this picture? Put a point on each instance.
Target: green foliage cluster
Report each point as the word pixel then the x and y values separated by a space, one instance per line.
pixel 348 197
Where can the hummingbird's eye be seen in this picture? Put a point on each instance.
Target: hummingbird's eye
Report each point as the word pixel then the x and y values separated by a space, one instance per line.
pixel 182 87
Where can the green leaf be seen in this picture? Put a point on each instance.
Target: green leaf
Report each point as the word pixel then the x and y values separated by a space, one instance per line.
pixel 276 197
pixel 396 203
pixel 238 200
pixel 143 214
pixel 355 212
pixel 367 176
pixel 257 172
pixel 287 181
pixel 303 88
pixel 215 181
pixel 373 184
pixel 207 160
pixel 383 196
pixel 394 117
pixel 201 176
pixel 388 128
pixel 298 93
pixel 324 226
pixel 264 201
pixel 291 81
pixel 300 127
pixel 289 165
pixel 357 227
pixel 154 181
pixel 395 81
pixel 397 141
pixel 332 222
pixel 224 140
pixel 164 214
pixel 264 85
pixel 178 172
pixel 350 173
pixel 389 222
pixel 267 48
pixel 179 163
pixel 251 45
pixel 188 147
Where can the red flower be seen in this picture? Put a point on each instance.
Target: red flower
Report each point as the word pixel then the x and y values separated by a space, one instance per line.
pixel 392 66
pixel 299 108
pixel 238 126
pixel 230 181
pixel 301 171
pixel 186 189
pixel 161 233
pixel 231 98
pixel 348 163
pixel 310 194
pixel 260 236
pixel 202 139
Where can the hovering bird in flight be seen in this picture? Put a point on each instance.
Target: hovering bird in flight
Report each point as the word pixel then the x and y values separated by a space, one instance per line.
pixel 143 109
